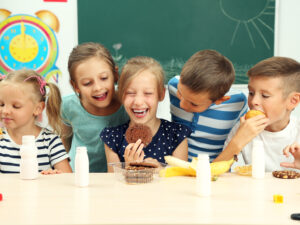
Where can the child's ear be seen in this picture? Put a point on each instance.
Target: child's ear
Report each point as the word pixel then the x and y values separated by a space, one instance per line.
pixel 294 100
pixel 162 97
pixel 39 108
pixel 73 84
pixel 221 100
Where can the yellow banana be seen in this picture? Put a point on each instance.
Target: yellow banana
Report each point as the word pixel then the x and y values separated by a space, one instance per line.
pixel 221 167
pixel 217 168
pixel 183 168
pixel 177 171
pixel 173 161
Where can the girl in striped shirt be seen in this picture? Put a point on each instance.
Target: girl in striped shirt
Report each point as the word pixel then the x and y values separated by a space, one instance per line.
pixel 22 100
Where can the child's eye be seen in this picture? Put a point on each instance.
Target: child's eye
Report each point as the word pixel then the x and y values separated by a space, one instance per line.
pixel 16 106
pixel 86 83
pixel 265 96
pixel 104 78
pixel 193 104
pixel 1 104
pixel 148 93
pixel 251 93
pixel 129 93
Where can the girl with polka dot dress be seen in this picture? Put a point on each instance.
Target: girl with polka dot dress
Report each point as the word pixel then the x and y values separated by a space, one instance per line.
pixel 141 88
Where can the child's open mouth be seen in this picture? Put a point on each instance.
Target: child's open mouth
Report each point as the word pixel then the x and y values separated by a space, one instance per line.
pixel 140 112
pixel 101 97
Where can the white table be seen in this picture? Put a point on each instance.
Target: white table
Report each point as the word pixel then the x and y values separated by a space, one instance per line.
pixel 235 200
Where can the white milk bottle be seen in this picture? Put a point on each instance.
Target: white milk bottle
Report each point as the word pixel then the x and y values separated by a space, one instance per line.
pixel 258 159
pixel 28 163
pixel 203 175
pixel 81 167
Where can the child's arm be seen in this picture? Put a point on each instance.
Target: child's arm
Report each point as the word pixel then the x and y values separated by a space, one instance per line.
pixel 293 149
pixel 60 167
pixel 111 157
pixel 247 130
pixel 67 137
pixel 181 151
pixel 63 166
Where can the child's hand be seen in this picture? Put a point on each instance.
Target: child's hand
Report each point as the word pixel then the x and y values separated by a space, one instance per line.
pixel 134 152
pixel 153 161
pixel 250 128
pixel 51 171
pixel 293 149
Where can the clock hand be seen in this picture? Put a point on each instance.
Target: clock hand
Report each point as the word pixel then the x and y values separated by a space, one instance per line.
pixel 23 34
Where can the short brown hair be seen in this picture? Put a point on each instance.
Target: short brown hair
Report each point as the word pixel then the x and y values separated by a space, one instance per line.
pixel 85 51
pixel 208 71
pixel 134 67
pixel 286 68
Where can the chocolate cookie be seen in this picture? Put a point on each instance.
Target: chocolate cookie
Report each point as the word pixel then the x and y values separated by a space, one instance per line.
pixel 138 131
pixel 143 164
pixel 286 174
pixel 139 172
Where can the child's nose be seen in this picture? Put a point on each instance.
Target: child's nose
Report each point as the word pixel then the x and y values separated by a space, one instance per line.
pixel 138 99
pixel 97 86
pixel 183 104
pixel 5 110
pixel 254 100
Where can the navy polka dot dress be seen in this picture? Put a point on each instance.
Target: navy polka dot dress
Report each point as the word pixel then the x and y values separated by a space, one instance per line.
pixel 164 142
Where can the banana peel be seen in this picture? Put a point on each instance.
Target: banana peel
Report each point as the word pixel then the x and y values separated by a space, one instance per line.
pixel 182 168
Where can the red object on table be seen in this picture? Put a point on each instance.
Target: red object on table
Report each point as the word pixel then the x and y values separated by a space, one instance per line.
pixel 55 0
pixel 1 197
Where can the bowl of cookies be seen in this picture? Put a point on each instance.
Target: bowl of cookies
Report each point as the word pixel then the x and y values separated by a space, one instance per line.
pixel 137 172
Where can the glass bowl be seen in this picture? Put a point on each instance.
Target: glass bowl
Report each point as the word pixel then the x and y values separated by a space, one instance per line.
pixel 245 170
pixel 132 174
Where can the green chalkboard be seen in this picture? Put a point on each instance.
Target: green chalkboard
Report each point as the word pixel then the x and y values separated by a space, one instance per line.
pixel 172 30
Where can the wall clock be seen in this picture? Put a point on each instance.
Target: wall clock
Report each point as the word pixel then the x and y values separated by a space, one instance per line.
pixel 28 41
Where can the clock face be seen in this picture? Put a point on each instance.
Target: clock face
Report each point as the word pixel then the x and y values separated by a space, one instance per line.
pixel 25 41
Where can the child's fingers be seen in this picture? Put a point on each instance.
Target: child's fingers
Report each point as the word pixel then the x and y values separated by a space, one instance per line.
pixel 242 118
pixel 139 153
pixel 286 151
pixel 128 151
pixel 51 171
pixel 131 152
pixel 142 156
pixel 287 165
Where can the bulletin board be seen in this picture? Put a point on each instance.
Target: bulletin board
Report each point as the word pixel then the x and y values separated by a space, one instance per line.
pixel 172 30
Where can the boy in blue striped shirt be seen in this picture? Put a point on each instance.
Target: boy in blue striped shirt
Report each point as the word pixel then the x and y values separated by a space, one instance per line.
pixel 201 99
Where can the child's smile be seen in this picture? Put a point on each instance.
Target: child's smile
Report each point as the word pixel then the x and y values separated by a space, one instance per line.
pixel 100 97
pixel 140 113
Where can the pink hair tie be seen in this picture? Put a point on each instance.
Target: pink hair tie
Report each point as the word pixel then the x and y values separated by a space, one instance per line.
pixel 41 81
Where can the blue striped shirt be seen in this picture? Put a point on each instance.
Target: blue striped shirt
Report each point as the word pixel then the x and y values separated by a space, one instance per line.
pixel 211 127
pixel 50 152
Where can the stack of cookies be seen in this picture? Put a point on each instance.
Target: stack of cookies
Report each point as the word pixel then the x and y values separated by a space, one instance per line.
pixel 139 172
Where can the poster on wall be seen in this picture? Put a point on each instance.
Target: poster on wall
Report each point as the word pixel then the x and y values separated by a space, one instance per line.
pixel 38 35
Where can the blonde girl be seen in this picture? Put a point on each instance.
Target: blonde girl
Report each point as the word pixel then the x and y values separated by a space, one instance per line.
pixel 23 97
pixel 94 105
pixel 141 88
